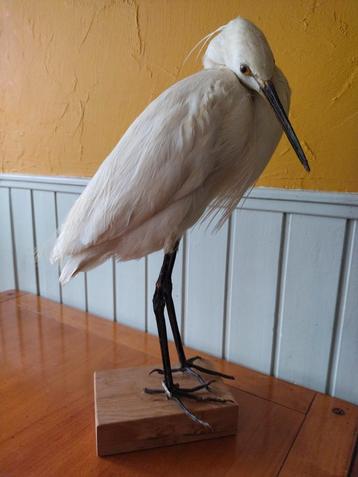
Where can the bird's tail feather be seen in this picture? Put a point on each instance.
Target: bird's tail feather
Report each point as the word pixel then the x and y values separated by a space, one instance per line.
pixel 69 270
pixel 79 263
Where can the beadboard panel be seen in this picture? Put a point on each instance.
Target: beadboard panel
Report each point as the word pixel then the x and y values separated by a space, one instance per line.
pixel 24 239
pixel 275 289
pixel 344 382
pixel 45 218
pixel 75 292
pixel 131 293
pixel 100 290
pixel 205 288
pixel 256 247
pixel 7 251
pixel 311 271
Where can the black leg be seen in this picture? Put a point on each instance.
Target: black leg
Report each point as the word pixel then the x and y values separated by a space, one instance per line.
pixel 158 306
pixel 187 365
pixel 168 288
pixel 169 388
pixel 168 297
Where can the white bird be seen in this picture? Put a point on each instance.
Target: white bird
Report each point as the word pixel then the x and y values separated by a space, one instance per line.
pixel 205 140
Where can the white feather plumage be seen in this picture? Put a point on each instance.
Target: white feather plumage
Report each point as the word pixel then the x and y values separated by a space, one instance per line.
pixel 203 141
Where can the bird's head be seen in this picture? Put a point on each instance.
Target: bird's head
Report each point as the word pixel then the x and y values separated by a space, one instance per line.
pixel 243 48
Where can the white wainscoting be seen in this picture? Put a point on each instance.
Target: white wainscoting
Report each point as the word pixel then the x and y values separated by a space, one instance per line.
pixel 275 290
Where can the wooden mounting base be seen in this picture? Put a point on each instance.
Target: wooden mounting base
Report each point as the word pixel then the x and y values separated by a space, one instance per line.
pixel 128 419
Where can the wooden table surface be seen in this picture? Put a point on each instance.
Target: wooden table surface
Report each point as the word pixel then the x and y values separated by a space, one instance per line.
pixel 48 353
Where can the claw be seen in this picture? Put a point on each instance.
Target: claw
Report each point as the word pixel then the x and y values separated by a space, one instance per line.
pixel 206 370
pixel 191 415
pixel 212 372
pixel 178 390
pixel 194 358
pixel 196 388
pixel 153 391
pixel 187 370
pixel 166 390
pixel 198 376
pixel 177 393
pixel 209 399
pixel 156 370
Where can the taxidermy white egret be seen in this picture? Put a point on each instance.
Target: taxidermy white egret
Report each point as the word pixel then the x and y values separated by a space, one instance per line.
pixel 205 140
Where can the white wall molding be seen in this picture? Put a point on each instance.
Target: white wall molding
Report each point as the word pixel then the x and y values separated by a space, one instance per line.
pixel 276 289
pixel 74 185
pixel 77 184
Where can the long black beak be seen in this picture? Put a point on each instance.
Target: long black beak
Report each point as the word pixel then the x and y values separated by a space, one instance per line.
pixel 270 92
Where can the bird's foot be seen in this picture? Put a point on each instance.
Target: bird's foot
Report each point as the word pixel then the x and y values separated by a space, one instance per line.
pixel 177 393
pixel 190 363
pixel 189 367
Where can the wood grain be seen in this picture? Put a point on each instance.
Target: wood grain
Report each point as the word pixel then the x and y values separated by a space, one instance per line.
pixel 48 354
pixel 128 419
pixel 354 466
pixel 11 295
pixel 326 441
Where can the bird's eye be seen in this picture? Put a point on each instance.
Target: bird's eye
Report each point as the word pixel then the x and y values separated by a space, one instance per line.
pixel 245 70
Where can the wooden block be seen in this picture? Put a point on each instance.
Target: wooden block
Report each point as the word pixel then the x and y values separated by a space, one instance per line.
pixel 128 419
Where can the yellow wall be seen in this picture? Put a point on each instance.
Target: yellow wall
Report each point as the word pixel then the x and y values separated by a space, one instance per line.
pixel 74 74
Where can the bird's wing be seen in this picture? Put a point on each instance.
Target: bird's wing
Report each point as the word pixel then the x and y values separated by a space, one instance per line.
pixel 165 154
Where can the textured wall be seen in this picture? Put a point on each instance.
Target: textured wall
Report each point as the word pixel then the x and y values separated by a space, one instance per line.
pixel 74 74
